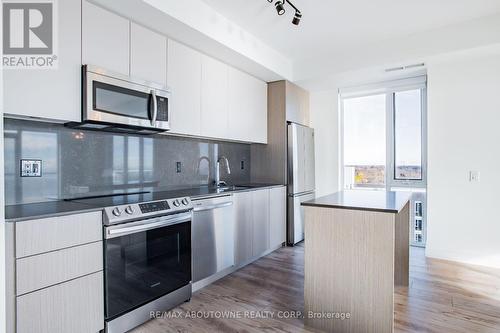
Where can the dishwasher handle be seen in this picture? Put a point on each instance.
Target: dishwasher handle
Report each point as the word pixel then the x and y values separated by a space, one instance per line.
pixel 202 208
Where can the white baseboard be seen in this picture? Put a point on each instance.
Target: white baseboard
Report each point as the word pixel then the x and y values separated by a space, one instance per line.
pixel 480 259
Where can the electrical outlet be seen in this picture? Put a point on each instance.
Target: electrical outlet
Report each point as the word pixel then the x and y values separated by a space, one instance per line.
pixel 242 165
pixel 178 167
pixel 31 168
pixel 474 176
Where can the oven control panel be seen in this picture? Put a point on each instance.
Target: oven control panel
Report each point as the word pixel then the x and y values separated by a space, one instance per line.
pixel 144 210
pixel 154 206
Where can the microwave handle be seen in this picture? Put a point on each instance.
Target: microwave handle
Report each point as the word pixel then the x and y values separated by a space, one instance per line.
pixel 155 108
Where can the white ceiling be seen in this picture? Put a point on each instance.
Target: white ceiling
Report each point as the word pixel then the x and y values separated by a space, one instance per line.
pixel 328 26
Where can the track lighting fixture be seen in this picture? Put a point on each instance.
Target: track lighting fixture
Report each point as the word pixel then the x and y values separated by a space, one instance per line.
pixel 296 18
pixel 280 9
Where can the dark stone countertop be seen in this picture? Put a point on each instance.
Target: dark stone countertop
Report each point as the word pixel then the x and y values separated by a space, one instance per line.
pixel 21 212
pixel 376 201
pixel 32 211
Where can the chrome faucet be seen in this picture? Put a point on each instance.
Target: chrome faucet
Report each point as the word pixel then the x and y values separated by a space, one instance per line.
pixel 218 181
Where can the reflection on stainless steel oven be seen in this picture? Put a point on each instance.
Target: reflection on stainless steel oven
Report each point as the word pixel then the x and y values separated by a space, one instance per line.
pixel 147 260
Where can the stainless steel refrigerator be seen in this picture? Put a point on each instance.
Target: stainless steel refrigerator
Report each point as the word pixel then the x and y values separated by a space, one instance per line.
pixel 301 185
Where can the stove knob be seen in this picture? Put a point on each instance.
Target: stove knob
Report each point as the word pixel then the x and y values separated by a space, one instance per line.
pixel 117 211
pixel 129 210
pixel 177 203
pixel 185 201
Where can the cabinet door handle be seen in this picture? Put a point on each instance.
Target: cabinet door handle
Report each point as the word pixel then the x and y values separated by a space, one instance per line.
pixel 212 207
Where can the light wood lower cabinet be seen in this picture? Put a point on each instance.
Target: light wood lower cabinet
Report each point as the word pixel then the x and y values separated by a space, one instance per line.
pixel 260 222
pixel 75 306
pixel 243 230
pixel 277 216
pixel 58 274
pixel 44 270
pixel 54 233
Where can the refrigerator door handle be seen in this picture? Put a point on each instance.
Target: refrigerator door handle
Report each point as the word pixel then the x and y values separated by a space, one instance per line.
pixel 300 194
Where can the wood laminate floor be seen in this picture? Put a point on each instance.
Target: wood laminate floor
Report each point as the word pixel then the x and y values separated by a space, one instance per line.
pixel 443 296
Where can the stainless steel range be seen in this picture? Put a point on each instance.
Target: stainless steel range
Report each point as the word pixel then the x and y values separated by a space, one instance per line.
pixel 147 260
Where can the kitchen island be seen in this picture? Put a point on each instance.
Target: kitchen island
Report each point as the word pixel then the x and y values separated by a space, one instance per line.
pixel 356 251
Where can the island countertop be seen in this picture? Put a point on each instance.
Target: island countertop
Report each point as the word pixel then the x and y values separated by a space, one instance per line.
pixel 376 201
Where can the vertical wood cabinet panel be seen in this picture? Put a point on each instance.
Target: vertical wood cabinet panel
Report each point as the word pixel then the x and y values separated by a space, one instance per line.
pixel 277 216
pixel 243 215
pixel 51 93
pixel 76 306
pixel 105 39
pixel 184 78
pixel 260 218
pixel 214 98
pixel 297 104
pixel 148 54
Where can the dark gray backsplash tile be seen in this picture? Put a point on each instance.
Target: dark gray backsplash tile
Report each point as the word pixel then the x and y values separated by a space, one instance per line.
pixel 78 163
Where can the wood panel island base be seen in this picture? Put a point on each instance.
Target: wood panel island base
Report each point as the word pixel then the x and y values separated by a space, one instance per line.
pixel 356 251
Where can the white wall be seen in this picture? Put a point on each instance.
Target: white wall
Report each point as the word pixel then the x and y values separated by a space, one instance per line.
pixel 324 120
pixel 464 135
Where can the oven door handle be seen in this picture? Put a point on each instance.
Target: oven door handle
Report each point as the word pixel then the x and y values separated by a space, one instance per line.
pixel 135 227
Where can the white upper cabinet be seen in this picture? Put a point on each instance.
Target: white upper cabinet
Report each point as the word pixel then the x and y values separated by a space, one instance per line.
pixel 238 119
pixel 105 39
pixel 258 95
pixel 51 93
pixel 184 79
pixel 148 55
pixel 247 107
pixel 209 98
pixel 214 96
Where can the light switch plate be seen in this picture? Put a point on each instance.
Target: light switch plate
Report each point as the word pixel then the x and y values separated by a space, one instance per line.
pixel 31 168
pixel 474 176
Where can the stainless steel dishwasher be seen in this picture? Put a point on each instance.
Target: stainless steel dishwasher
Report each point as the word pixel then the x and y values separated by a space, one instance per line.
pixel 212 236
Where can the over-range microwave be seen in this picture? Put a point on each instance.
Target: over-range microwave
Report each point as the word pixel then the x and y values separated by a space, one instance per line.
pixel 118 103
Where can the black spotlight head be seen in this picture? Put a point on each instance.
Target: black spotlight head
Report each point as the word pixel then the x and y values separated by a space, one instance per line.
pixel 279 7
pixel 296 18
pixel 270 1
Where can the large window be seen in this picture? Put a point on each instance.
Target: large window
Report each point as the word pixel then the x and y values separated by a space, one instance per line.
pixel 365 141
pixel 408 135
pixel 383 135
